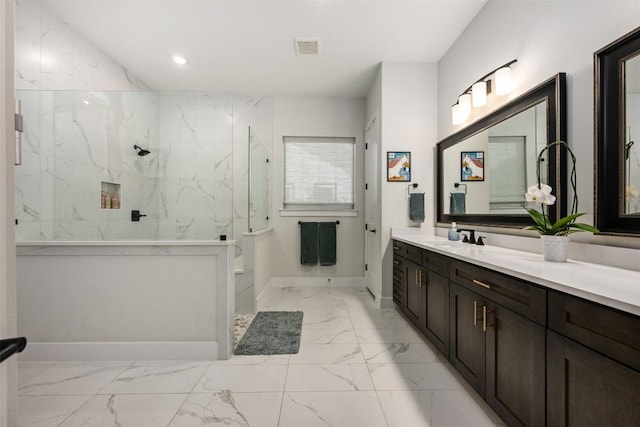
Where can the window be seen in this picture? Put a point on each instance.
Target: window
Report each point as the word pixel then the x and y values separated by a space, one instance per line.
pixel 507 180
pixel 319 173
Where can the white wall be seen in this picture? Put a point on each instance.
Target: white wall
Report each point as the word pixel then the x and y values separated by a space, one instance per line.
pixel 317 116
pixel 408 123
pixel 8 372
pixel 545 38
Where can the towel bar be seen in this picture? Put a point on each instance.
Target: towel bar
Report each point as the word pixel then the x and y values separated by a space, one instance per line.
pixel 337 222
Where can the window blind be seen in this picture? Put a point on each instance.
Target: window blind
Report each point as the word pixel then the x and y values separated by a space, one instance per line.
pixel 319 173
pixel 507 181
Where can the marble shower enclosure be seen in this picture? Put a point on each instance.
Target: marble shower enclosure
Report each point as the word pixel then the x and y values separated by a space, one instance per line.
pixel 76 140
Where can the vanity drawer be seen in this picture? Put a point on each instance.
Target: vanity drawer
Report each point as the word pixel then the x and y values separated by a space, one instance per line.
pixel 522 297
pixel 609 331
pixel 435 262
pixel 410 252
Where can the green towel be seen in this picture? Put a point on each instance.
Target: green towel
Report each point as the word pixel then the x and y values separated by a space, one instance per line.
pixel 309 243
pixel 327 243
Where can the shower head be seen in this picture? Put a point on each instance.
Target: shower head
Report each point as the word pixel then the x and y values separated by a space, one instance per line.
pixel 141 151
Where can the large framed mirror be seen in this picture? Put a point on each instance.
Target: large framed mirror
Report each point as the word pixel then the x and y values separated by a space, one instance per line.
pixel 484 170
pixel 617 154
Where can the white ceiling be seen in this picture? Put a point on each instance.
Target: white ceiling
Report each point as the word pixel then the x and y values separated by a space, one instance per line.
pixel 246 46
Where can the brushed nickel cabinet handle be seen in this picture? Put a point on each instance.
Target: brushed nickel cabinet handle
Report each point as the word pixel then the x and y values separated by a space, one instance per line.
pixel 479 283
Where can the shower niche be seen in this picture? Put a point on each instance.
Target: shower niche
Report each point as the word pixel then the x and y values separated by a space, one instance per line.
pixel 110 196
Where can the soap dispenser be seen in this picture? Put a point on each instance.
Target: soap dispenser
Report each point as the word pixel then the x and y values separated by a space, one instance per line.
pixel 454 234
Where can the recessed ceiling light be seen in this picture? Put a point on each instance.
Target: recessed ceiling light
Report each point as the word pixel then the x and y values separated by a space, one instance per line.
pixel 179 60
pixel 85 102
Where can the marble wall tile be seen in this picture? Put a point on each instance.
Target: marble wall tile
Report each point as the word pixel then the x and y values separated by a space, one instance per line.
pixel 50 54
pixel 87 137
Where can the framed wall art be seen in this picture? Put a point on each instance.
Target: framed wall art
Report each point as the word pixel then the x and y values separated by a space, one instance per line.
pixel 472 166
pixel 398 166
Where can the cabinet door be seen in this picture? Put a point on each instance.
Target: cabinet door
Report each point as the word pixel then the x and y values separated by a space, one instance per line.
pixel 415 294
pixel 585 388
pixel 467 340
pixel 515 367
pixel 437 311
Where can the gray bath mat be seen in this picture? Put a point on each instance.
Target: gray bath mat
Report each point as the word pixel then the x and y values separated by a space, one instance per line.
pixel 272 332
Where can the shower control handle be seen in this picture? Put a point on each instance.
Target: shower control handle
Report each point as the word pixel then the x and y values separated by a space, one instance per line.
pixel 135 215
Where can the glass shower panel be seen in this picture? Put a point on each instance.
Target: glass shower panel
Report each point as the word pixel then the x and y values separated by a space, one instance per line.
pixel 81 176
pixel 258 183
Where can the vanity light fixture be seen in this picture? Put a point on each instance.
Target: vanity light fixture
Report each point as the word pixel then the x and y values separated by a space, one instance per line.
pixel 476 94
pixel 179 60
pixel 456 117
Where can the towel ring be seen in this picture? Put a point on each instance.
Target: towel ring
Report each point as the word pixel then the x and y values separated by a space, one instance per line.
pixel 457 184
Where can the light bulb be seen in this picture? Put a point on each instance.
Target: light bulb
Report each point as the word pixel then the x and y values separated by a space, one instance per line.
pixel 456 117
pixel 503 81
pixel 465 105
pixel 479 94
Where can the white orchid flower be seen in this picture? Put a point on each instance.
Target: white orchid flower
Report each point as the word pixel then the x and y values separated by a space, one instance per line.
pixel 540 194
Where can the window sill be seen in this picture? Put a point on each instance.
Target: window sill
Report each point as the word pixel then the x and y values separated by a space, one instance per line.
pixel 295 212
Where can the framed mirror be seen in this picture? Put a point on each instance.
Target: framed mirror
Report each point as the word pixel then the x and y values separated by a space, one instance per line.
pixel 617 154
pixel 509 141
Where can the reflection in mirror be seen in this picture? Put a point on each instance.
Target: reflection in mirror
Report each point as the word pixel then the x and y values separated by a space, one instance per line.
pixel 504 147
pixel 617 144
pixel 511 148
pixel 630 149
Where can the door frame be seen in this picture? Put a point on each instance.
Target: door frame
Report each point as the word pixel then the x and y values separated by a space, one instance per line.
pixel 373 274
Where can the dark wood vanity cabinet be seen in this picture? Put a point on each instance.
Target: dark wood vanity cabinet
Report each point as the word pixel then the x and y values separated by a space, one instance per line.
pixel 499 350
pixel 420 279
pixel 537 356
pixel 593 364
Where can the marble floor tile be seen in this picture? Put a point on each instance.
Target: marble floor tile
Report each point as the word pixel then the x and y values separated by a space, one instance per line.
pixel 453 408
pixel 328 336
pixel 404 408
pixel 386 319
pixel 267 359
pixel 47 411
pixel 335 409
pixel 77 380
pixel 412 376
pixel 327 322
pixel 310 354
pixel 357 366
pixel 416 352
pixel 28 370
pixel 127 410
pixel 389 335
pixel 247 378
pixel 343 377
pixel 157 378
pixel 226 408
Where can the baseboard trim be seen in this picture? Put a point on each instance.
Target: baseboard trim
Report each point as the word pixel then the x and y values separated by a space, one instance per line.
pixel 90 351
pixel 282 282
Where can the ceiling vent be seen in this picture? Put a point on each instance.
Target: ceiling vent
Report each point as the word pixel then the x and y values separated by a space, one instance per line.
pixel 307 45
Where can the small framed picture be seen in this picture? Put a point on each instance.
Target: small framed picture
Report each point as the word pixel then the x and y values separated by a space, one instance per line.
pixel 398 166
pixel 472 166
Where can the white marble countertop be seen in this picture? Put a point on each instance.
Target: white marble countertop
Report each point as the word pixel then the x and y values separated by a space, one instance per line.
pixel 611 286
